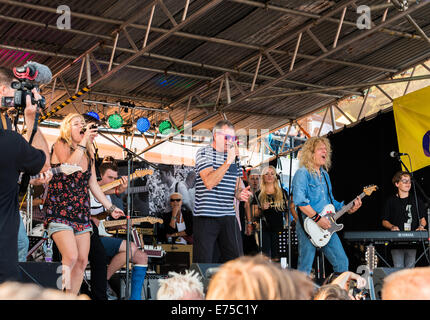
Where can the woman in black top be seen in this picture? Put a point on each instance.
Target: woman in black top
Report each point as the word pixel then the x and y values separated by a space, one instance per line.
pixel 178 223
pixel 401 214
pixel 272 201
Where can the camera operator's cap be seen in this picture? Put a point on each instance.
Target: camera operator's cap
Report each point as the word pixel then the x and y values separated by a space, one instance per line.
pixel 93 116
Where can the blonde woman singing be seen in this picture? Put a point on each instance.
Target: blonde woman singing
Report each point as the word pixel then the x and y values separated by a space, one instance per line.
pixel 67 202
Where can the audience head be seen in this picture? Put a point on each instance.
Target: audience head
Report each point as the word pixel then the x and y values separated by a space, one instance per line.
pixel 29 291
pixel 407 284
pixel 331 292
pixel 187 286
pixel 257 278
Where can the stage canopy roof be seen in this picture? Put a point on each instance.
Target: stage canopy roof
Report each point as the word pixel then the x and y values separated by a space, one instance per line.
pixel 260 64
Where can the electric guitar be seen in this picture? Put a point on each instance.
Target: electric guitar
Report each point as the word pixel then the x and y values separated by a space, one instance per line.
pixel 319 236
pixel 372 263
pixel 64 168
pixel 137 174
pixel 113 223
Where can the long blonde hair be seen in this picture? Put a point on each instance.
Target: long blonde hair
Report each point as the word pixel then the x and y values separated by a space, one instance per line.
pixel 262 198
pixel 66 131
pixel 306 156
pixel 257 278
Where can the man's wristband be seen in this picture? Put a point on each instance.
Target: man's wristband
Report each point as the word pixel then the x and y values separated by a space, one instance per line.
pixel 316 217
pixel 111 209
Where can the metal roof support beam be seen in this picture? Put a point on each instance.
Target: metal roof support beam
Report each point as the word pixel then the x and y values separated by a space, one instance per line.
pixel 293 61
pixel 185 35
pixel 339 27
pixel 400 7
pixel 323 121
pixel 333 120
pixel 316 40
pixel 360 36
pixel 363 104
pixel 409 82
pixel 343 113
pixel 293 12
pixel 350 86
pixel 385 93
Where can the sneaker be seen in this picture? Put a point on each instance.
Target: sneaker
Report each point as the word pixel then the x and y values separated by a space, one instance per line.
pixel 111 295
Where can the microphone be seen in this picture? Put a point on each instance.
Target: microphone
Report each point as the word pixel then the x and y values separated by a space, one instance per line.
pixel 33 71
pixel 394 154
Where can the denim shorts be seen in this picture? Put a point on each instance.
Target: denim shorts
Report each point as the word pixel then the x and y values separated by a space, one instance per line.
pixel 111 245
pixel 55 227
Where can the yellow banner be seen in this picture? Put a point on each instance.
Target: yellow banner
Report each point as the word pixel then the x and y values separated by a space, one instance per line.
pixel 412 118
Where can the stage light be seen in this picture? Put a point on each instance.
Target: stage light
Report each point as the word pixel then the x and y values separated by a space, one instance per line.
pixel 165 127
pixel 115 121
pixel 93 114
pixel 143 124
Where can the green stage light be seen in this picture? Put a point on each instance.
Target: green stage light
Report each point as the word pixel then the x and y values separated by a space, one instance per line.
pixel 115 121
pixel 165 127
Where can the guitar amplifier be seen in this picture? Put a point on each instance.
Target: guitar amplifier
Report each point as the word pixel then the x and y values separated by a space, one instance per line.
pixel 149 289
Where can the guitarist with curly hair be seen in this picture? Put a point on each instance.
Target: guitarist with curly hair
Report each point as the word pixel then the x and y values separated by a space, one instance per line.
pixel 312 192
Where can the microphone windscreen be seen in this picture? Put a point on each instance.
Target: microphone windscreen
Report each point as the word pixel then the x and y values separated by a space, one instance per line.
pixel 44 74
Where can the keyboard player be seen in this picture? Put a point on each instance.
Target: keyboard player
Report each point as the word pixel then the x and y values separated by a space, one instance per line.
pixel 401 213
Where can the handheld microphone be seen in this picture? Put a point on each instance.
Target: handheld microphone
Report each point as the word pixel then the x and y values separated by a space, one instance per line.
pixel 33 71
pixel 394 154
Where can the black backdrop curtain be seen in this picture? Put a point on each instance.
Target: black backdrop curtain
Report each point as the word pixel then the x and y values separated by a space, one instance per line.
pixel 361 157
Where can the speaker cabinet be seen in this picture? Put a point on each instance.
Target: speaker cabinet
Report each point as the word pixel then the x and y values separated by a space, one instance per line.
pixel 45 274
pixel 178 258
pixel 205 271
pixel 379 275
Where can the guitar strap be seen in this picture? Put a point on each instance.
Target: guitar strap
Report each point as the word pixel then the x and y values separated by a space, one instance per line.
pixel 328 189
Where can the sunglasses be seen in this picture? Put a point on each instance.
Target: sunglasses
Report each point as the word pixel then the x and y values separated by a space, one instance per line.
pixel 229 137
pixel 177 200
pixel 405 180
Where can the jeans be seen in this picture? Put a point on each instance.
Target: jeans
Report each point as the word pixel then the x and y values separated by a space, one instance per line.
pixel 404 258
pixel 333 251
pixel 23 242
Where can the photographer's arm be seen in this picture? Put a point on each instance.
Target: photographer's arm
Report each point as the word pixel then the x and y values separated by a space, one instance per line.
pixel 39 141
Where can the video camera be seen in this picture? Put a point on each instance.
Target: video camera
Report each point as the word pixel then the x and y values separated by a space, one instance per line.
pixel 29 76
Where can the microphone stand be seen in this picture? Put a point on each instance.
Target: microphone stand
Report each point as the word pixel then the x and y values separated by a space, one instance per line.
pixel 427 199
pixel 130 156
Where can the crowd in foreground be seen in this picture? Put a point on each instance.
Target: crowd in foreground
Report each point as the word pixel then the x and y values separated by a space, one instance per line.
pixel 255 278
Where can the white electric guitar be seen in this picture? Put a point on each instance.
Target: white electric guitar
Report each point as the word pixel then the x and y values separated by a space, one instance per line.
pixel 319 236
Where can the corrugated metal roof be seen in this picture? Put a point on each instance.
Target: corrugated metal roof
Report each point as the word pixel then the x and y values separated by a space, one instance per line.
pixel 222 39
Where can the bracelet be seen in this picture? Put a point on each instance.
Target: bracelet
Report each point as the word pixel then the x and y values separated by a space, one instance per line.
pixel 173 218
pixel 316 217
pixel 249 222
pixel 111 209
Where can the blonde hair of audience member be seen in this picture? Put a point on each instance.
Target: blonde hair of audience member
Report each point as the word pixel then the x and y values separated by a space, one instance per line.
pixel 262 198
pixel 29 291
pixel 331 292
pixel 306 157
pixel 178 286
pixel 407 284
pixel 257 278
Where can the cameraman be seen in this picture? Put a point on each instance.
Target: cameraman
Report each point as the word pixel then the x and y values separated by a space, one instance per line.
pixel 18 156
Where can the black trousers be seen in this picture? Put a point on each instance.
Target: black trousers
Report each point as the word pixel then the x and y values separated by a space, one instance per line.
pixel 216 239
pixel 98 264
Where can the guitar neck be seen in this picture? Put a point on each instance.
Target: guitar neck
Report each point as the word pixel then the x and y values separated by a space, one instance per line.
pixel 347 207
pixel 139 189
pixel 113 223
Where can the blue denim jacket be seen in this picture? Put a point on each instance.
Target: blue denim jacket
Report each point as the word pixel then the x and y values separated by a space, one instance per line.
pixel 308 189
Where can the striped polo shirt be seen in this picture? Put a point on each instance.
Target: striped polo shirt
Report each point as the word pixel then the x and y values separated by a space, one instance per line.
pixel 219 201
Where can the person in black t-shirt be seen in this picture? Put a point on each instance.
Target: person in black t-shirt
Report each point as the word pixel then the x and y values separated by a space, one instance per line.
pixel 272 201
pixel 18 156
pixel 402 214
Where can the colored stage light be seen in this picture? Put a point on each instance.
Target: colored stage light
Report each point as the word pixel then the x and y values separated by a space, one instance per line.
pixel 143 124
pixel 115 121
pixel 165 127
pixel 93 114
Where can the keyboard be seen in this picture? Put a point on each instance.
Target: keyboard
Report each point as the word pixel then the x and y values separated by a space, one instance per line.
pixel 386 236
